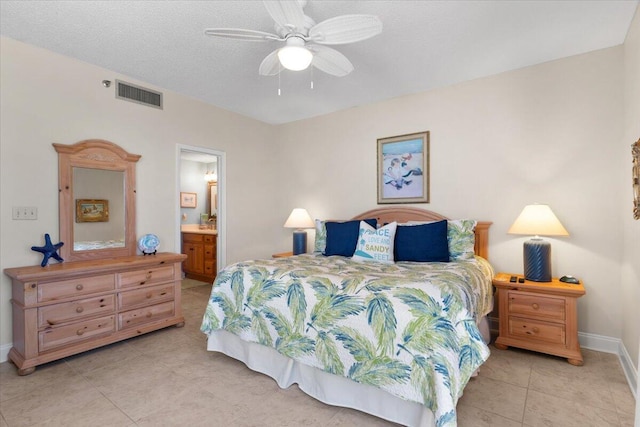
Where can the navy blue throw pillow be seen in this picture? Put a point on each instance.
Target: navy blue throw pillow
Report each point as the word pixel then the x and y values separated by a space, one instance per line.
pixel 342 237
pixel 422 243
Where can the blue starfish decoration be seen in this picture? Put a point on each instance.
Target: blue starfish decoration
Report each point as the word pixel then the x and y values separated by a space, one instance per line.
pixel 49 250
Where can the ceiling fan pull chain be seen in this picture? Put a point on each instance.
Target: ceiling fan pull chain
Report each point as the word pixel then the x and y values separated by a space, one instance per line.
pixel 279 74
pixel 311 78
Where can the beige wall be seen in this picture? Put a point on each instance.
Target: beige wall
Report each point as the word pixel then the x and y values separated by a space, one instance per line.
pixel 631 249
pixel 541 134
pixel 556 133
pixel 49 98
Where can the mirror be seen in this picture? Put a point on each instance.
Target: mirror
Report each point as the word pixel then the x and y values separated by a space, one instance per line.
pixel 212 199
pixel 99 209
pixel 96 200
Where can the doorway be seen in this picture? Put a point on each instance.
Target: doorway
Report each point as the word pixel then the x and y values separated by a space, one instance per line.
pixel 200 189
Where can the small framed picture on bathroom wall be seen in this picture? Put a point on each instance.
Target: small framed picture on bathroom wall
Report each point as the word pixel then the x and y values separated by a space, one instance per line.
pixel 188 200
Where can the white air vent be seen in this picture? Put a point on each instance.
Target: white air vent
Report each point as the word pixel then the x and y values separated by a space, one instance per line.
pixel 139 95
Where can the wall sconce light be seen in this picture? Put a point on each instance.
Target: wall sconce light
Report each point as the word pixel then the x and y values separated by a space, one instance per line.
pixel 537 220
pixel 210 176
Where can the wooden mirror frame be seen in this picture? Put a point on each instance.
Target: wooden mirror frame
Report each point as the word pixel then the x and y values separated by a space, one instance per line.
pixel 95 154
pixel 635 176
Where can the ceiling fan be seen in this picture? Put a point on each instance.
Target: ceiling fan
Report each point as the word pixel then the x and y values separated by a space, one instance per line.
pixel 305 41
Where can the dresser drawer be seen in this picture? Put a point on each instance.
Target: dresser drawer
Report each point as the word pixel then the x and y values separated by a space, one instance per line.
pixel 540 307
pixel 133 318
pixel 537 331
pixel 145 277
pixel 69 334
pixel 56 314
pixel 52 291
pixel 144 297
pixel 209 239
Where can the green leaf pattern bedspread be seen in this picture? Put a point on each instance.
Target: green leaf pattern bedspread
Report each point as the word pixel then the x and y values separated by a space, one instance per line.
pixel 407 328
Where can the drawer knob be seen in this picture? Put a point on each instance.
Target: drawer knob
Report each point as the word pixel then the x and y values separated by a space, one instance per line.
pixel 535 306
pixel 79 309
pixel 149 314
pixel 148 276
pixel 149 295
pixel 80 332
pixel 79 287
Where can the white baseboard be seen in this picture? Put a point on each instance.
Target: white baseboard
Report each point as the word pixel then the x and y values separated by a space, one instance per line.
pixel 614 346
pixel 4 352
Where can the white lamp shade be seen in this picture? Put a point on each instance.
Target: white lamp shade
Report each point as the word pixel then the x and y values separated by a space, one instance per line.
pixel 294 56
pixel 299 218
pixel 538 220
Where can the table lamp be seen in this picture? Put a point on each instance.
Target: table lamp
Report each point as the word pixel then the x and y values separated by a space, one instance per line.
pixel 299 219
pixel 537 220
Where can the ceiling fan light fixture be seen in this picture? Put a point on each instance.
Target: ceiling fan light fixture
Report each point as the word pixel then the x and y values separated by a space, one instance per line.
pixel 294 56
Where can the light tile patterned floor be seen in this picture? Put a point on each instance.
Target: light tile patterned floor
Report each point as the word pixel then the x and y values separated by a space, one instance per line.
pixel 167 378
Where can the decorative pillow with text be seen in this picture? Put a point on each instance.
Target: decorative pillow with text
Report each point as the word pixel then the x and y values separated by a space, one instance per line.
pixel 375 244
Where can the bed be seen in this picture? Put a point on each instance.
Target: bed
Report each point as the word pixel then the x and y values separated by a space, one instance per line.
pixel 398 340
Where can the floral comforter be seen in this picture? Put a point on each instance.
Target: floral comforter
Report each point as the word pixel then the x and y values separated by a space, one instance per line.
pixel 407 328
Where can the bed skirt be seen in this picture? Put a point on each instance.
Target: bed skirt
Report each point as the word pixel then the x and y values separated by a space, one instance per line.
pixel 328 388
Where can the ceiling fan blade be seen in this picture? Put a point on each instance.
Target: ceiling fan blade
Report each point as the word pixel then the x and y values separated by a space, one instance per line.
pixel 270 65
pixel 345 29
pixel 286 13
pixel 330 61
pixel 237 33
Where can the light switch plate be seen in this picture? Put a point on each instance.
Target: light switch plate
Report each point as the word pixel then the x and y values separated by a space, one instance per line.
pixel 25 212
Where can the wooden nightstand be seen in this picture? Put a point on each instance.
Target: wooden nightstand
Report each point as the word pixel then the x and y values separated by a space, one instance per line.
pixel 282 255
pixel 539 316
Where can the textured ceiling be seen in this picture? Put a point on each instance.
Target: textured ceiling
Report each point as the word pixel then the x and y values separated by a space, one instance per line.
pixel 423 45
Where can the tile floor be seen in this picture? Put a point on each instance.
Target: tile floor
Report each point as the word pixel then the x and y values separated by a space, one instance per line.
pixel 167 378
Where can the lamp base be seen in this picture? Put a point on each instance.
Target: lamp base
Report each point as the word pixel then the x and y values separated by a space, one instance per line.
pixel 537 260
pixel 299 242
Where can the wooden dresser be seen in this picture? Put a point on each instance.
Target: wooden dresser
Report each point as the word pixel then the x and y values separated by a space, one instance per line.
pixel 201 252
pixel 539 316
pixel 68 308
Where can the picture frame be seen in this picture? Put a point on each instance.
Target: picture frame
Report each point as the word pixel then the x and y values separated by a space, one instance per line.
pixel 188 200
pixel 92 210
pixel 403 169
pixel 635 178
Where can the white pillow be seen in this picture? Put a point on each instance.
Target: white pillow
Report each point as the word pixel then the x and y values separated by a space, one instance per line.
pixel 375 244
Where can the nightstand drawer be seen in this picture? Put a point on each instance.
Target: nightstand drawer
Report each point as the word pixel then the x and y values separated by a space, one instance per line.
pixel 539 331
pixel 537 306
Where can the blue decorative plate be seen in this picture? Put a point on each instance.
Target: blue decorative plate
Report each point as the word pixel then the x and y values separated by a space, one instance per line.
pixel 148 243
